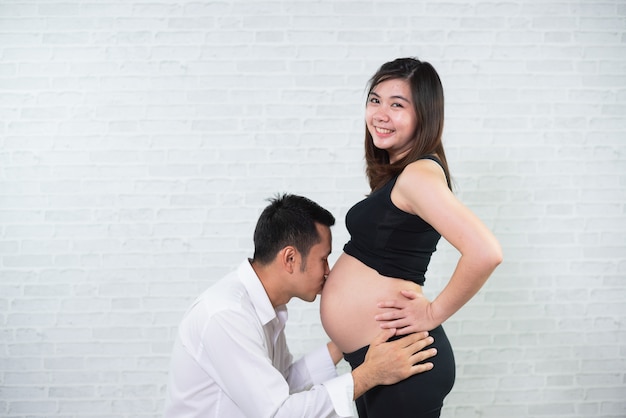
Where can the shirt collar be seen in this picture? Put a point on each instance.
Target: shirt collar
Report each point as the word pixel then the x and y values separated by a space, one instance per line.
pixel 261 301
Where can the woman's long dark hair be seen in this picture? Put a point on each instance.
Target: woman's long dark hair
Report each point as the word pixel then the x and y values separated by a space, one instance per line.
pixel 427 96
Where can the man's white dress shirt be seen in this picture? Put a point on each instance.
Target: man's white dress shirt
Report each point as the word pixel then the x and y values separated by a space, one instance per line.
pixel 231 360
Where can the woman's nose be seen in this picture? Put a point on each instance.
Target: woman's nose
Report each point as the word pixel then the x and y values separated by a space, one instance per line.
pixel 380 116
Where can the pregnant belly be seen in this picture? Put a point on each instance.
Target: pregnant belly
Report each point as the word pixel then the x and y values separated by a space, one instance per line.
pixel 349 302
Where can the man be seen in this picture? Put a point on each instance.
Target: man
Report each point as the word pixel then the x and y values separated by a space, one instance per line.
pixel 231 360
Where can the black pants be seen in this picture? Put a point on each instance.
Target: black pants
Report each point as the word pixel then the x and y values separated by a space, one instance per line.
pixel 419 396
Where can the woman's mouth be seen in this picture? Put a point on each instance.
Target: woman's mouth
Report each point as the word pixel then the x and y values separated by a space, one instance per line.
pixel 383 131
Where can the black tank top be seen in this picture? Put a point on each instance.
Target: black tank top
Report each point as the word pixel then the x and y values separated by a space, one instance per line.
pixel 389 240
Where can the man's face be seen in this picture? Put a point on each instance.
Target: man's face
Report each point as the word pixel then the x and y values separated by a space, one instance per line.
pixel 310 277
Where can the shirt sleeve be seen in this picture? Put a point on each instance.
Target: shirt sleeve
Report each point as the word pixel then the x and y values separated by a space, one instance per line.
pixel 320 365
pixel 312 369
pixel 340 389
pixel 239 360
pixel 317 367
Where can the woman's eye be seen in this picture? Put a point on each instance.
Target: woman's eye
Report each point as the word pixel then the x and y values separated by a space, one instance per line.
pixel 397 105
pixel 374 100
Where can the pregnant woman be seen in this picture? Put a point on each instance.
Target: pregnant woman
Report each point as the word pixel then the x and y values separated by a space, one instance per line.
pixel 378 278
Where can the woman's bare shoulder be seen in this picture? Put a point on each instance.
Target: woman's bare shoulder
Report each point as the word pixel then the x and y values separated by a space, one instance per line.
pixel 422 171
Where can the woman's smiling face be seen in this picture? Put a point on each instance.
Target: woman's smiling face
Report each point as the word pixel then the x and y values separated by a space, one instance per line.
pixel 390 117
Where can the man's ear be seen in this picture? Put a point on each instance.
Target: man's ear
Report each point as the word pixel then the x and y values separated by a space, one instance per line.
pixel 288 258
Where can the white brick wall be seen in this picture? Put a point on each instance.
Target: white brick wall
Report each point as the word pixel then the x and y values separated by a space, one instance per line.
pixel 139 139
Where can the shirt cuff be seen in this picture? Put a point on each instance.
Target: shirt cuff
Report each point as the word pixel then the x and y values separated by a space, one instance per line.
pixel 320 365
pixel 341 393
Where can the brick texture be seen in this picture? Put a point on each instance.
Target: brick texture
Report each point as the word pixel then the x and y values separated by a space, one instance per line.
pixel 140 139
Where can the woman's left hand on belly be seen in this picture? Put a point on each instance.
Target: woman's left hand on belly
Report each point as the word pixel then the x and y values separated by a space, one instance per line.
pixel 410 312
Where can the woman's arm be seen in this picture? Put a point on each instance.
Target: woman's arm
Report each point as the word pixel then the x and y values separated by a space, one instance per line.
pixel 422 190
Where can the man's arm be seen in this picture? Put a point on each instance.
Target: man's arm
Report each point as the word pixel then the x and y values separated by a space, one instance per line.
pixel 243 369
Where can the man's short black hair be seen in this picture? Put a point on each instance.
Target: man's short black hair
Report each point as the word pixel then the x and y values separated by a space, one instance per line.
pixel 288 220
